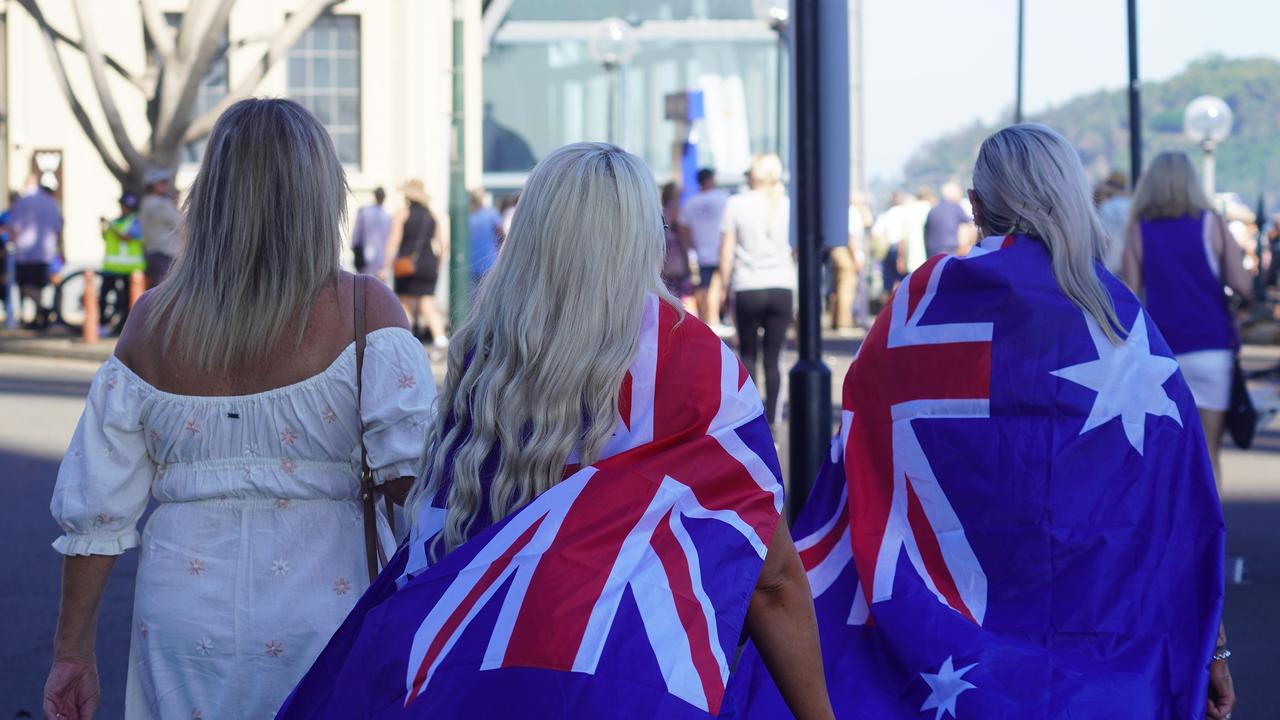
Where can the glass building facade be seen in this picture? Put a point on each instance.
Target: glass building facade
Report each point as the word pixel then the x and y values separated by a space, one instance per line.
pixel 543 88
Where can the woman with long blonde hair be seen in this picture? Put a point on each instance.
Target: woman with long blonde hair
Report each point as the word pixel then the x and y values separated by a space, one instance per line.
pixel 1178 257
pixel 604 451
pixel 233 399
pixel 758 268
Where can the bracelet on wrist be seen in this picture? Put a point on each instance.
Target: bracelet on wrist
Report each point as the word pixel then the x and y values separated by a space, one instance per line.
pixel 1221 655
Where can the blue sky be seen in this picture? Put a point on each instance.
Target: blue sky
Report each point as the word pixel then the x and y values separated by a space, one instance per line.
pixel 932 66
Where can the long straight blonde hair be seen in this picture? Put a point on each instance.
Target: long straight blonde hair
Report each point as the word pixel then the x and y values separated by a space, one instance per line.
pixel 1029 180
pixel 260 236
pixel 535 370
pixel 1170 188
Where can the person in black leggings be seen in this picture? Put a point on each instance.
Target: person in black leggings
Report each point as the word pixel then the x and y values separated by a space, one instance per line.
pixel 768 310
pixel 755 255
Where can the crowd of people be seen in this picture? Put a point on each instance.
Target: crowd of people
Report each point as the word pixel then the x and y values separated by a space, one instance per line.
pixel 594 500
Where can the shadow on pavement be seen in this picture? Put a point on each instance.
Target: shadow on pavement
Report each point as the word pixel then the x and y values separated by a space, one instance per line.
pixel 29 602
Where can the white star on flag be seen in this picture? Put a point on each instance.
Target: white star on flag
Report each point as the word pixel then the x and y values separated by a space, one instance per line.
pixel 946 686
pixel 1128 379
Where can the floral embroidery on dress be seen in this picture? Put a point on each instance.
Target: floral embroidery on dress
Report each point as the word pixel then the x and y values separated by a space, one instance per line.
pixel 280 567
pixel 275 648
pixel 67 527
pixel 76 452
pixel 248 472
pixel 288 436
pixel 407 382
pixel 328 415
pixel 252 450
pixel 102 519
pixel 155 438
pixel 192 426
pixel 341 586
pixel 205 646
pixel 195 567
pixel 111 381
pixel 288 465
pixel 282 503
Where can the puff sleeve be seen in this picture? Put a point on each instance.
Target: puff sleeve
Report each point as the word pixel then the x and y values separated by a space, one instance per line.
pixel 397 403
pixel 106 475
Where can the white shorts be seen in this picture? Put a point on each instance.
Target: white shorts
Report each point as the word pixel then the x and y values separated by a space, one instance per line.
pixel 1208 372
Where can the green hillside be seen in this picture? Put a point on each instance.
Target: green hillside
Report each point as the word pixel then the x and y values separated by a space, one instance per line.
pixel 1248 162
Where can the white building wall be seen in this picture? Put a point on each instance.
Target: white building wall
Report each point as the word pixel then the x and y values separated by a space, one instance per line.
pixel 405 99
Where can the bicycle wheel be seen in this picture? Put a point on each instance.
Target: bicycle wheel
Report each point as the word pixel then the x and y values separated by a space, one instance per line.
pixel 68 300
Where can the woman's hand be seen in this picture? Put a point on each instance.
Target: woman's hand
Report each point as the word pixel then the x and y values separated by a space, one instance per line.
pixel 1222 691
pixel 72 691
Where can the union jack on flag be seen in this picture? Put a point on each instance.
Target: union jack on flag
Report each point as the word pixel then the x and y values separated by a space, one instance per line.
pixel 1017 518
pixel 619 592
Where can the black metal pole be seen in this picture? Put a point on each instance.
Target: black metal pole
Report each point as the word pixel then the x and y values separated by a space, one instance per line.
pixel 1017 96
pixel 1135 101
pixel 810 379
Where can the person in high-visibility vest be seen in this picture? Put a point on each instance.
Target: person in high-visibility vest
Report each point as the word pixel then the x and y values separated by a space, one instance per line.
pixel 123 240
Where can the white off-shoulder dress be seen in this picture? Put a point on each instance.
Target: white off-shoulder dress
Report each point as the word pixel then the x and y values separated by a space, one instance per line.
pixel 256 552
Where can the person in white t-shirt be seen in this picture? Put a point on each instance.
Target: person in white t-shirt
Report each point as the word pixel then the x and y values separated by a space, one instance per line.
pixel 700 223
pixel 757 265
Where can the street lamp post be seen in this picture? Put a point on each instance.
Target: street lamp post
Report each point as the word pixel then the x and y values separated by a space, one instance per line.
pixel 777 13
pixel 1207 120
pixel 612 44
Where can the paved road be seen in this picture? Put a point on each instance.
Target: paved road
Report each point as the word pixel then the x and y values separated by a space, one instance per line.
pixel 40 400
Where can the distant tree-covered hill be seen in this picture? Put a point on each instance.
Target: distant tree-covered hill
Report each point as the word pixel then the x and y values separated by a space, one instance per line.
pixel 1248 162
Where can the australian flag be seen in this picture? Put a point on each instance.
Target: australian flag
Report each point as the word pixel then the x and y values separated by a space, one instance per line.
pixel 620 592
pixel 1018 518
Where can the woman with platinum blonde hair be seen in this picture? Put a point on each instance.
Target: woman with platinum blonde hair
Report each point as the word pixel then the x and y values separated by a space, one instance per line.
pixel 235 397
pixel 757 267
pixel 1178 257
pixel 607 452
pixel 1030 517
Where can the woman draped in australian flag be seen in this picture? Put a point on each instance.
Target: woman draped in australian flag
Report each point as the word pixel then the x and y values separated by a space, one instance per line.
pixel 598 515
pixel 1018 518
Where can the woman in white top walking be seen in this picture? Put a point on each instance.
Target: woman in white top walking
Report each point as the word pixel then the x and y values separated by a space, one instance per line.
pixel 232 400
pixel 755 257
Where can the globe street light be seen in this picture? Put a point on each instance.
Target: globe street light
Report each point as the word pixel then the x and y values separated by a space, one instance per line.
pixel 1207 121
pixel 777 13
pixel 612 44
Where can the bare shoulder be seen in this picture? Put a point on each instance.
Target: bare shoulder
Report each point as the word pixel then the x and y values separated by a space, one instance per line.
pixel 382 308
pixel 135 337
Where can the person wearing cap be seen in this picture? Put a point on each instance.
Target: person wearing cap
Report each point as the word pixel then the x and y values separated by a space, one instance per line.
pixel 159 217
pixel 123 255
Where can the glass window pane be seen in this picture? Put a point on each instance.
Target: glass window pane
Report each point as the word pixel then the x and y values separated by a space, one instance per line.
pixel 348 74
pixel 324 75
pixel 349 111
pixel 322 70
pixel 297 75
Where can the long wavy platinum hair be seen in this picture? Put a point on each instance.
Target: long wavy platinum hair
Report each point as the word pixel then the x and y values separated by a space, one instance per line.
pixel 261 235
pixel 535 370
pixel 1029 180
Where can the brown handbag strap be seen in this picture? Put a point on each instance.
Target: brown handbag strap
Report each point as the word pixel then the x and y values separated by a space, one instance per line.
pixel 374 556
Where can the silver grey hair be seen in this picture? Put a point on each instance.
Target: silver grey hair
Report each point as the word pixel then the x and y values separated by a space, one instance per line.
pixel 1029 180
pixel 261 235
pixel 535 370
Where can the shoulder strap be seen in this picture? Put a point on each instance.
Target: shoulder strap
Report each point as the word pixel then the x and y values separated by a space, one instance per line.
pixel 372 547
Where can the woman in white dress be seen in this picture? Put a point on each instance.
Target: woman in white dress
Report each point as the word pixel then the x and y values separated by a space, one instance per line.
pixel 232 400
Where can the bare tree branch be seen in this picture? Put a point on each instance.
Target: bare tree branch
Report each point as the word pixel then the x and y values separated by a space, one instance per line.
pixel 159 30
pixel 49 36
pixel 101 85
pixel 292 31
pixel 61 37
pixel 199 39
